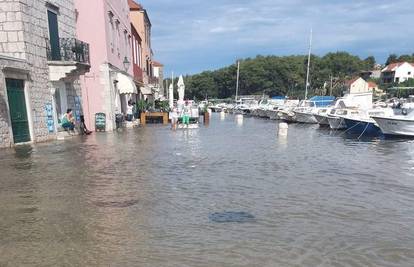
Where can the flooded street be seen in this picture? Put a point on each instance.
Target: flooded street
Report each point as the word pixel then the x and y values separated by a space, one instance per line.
pixel 146 197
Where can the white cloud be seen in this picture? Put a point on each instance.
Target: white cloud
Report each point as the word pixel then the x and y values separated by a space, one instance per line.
pixel 194 35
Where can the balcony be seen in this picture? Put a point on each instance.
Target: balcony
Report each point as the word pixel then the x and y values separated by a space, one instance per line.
pixel 67 59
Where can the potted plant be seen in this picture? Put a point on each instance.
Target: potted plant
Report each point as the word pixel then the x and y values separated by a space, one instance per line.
pixel 205 113
pixel 141 107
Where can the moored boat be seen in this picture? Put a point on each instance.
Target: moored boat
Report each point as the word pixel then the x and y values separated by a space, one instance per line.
pixel 400 125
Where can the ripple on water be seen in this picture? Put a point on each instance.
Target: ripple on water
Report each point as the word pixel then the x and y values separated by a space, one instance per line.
pixel 232 217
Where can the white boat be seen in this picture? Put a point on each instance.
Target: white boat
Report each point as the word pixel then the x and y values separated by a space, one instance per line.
pixel 322 116
pixel 287 114
pixel 400 125
pixel 336 117
pixel 308 108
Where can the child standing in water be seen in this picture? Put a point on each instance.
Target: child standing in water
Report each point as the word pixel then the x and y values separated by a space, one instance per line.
pixel 186 114
pixel 174 119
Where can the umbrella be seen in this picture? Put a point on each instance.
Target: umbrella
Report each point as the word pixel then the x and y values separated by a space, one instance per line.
pixel 181 89
pixel 171 96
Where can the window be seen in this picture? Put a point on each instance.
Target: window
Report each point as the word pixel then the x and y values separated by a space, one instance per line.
pixel 139 54
pixel 117 37
pixel 135 51
pixel 111 30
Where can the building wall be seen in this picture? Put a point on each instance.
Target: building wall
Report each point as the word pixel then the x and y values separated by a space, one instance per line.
pixel 359 86
pixel 23 34
pixel 21 70
pixel 143 27
pixel 108 49
pixel 404 72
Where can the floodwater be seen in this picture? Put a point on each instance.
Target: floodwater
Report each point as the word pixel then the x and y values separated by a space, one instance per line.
pixel 146 197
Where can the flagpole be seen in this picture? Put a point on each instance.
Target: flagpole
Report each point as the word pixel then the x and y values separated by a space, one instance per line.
pixel 307 73
pixel 237 81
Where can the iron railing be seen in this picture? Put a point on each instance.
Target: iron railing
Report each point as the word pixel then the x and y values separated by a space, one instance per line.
pixel 68 49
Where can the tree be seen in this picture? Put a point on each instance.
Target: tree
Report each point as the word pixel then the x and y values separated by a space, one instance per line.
pixel 275 75
pixel 393 58
pixel 370 62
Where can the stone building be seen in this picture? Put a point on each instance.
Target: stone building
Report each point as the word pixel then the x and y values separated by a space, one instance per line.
pixel 40 65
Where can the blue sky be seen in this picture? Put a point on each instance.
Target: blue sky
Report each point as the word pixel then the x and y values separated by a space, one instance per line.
pixel 195 35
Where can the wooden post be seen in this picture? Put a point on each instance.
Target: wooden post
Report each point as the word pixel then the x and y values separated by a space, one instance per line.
pixel 165 118
pixel 206 118
pixel 143 119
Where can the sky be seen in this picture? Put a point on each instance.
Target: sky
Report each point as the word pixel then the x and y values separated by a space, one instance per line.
pixel 190 36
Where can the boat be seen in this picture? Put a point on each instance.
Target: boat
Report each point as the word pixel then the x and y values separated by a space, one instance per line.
pixel 336 117
pixel 398 124
pixel 363 123
pixel 308 108
pixel 287 115
pixel 321 117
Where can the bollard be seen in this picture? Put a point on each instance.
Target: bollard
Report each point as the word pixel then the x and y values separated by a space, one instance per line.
pixel 239 119
pixel 283 129
pixel 222 115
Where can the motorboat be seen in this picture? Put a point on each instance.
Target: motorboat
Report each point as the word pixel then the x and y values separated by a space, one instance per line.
pixel 287 114
pixel 308 108
pixel 363 123
pixel 336 117
pixel 322 116
pixel 398 125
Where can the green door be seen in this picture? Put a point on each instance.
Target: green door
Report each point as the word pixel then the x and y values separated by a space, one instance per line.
pixel 54 35
pixel 18 111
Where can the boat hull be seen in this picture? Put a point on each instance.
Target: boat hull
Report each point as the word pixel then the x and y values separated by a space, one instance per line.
pixel 337 123
pixel 399 127
pixel 322 120
pixel 303 117
pixel 362 127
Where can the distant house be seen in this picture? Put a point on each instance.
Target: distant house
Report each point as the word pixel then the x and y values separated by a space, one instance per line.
pixel 397 72
pixel 373 87
pixel 370 74
pixel 358 85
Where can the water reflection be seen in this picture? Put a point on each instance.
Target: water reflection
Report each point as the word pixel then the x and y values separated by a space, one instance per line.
pixel 143 197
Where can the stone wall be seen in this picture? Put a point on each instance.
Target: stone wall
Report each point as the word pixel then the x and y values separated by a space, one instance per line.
pixel 10 68
pixel 23 34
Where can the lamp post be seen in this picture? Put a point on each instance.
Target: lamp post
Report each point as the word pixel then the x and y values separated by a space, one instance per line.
pixel 127 64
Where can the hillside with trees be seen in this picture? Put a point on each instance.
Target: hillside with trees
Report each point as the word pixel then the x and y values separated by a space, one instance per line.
pixel 274 75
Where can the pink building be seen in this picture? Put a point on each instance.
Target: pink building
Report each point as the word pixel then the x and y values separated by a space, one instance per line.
pixel 106 26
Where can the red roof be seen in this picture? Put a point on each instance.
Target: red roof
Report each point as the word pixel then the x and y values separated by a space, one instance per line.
pixel 393 66
pixel 157 64
pixel 372 85
pixel 134 5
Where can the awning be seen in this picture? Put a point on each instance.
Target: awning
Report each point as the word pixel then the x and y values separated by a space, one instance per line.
pixel 125 84
pixel 146 90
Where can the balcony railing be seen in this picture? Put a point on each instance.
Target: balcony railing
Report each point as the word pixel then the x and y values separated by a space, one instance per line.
pixel 68 49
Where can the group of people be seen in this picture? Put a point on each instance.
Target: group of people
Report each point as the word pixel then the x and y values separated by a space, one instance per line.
pixel 185 114
pixel 68 123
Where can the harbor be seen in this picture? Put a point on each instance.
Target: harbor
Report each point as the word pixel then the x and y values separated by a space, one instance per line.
pixel 148 196
pixel 206 134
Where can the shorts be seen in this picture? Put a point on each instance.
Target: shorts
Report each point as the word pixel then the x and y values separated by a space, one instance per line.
pixel 186 119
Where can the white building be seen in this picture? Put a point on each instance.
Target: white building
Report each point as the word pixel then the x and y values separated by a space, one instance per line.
pixel 397 72
pixel 357 85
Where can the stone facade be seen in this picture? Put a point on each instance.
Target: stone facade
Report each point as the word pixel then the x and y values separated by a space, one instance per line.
pixel 10 68
pixel 24 34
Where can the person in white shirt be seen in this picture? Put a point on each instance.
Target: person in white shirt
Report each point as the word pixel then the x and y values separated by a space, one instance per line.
pixel 130 111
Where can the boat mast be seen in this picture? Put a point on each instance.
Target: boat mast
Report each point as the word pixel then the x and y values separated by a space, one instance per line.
pixel 237 82
pixel 307 73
